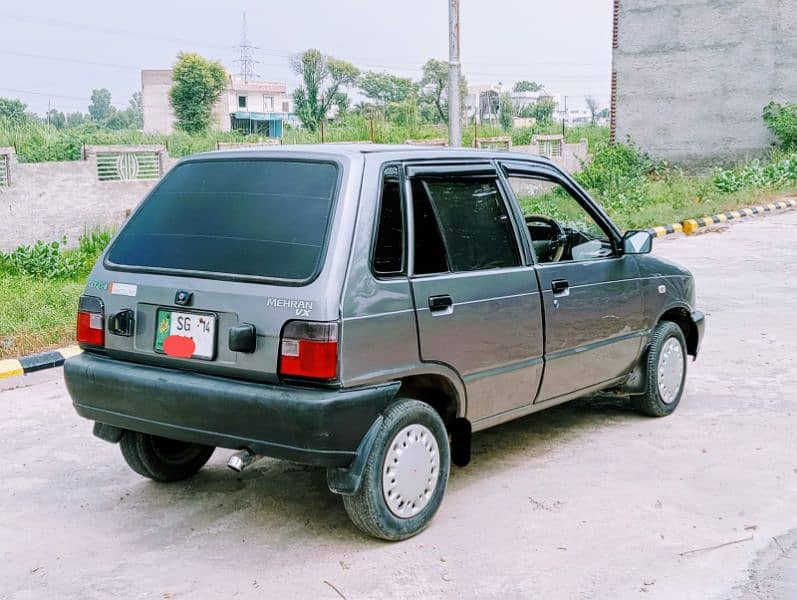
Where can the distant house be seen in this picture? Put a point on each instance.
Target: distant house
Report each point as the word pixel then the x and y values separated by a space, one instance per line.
pixel 482 102
pixel 253 106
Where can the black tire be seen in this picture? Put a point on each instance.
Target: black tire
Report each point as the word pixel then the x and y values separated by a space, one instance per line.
pixel 651 403
pixel 368 508
pixel 163 459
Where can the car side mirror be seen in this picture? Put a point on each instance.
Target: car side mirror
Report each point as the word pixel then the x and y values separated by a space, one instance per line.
pixel 637 241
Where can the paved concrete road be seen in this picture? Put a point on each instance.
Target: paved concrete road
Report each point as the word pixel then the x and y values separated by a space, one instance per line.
pixel 583 501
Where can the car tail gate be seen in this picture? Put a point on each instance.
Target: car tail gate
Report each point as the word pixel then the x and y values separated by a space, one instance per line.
pixel 260 332
pixel 217 265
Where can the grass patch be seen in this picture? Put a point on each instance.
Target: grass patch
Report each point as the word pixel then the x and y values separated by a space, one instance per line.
pixel 39 290
pixel 36 314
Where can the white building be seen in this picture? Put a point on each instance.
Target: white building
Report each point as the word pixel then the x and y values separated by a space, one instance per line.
pixel 253 106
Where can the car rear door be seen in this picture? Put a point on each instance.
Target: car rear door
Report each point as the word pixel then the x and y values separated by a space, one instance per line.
pixel 592 297
pixel 476 296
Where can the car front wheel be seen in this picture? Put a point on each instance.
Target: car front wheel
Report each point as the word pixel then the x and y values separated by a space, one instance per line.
pixel 405 475
pixel 666 371
pixel 163 459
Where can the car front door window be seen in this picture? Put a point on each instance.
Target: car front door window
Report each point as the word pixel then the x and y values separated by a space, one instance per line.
pixel 560 229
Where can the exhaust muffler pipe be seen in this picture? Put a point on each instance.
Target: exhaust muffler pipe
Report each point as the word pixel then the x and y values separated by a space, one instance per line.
pixel 242 459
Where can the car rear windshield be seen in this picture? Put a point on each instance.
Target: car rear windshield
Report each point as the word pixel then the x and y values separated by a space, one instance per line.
pixel 251 218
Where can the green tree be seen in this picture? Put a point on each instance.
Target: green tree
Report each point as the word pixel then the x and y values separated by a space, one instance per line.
pixel 506 112
pixel 433 87
pixel 406 113
pixel 526 86
pixel 542 111
pixel 135 110
pixel 343 103
pixel 100 108
pixel 75 119
pixel 593 107
pixel 323 78
pixel 13 110
pixel 55 118
pixel 198 84
pixel 120 119
pixel 384 88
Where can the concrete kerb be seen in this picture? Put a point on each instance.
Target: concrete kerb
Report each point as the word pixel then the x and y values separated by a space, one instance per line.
pixel 691 225
pixel 36 362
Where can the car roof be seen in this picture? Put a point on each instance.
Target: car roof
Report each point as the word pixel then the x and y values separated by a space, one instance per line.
pixel 395 152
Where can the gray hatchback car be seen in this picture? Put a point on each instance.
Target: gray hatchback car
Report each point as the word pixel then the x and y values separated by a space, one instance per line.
pixel 365 309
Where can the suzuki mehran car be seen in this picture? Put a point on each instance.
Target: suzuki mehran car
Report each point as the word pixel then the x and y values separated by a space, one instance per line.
pixel 365 308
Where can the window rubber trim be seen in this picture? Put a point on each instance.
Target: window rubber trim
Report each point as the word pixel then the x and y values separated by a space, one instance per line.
pixel 494 175
pixel 377 221
pixel 551 173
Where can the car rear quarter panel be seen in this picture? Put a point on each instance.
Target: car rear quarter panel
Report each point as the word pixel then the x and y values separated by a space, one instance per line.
pixel 378 332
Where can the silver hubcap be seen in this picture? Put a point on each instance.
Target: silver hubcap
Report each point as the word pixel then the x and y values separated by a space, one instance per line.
pixel 410 471
pixel 671 370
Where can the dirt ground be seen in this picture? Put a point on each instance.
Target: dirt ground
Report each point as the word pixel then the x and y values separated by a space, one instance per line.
pixel 586 500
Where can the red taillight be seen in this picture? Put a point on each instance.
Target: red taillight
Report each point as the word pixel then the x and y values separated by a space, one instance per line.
pixel 309 349
pixel 91 321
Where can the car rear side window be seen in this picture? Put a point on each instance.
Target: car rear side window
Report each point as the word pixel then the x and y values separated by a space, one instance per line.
pixel 389 246
pixel 474 227
pixel 253 218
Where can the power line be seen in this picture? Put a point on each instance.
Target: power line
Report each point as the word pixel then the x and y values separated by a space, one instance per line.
pixel 72 26
pixel 257 50
pixel 489 74
pixel 40 93
pixel 65 59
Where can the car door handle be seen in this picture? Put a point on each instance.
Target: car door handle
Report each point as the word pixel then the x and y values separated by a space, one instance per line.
pixel 442 303
pixel 560 287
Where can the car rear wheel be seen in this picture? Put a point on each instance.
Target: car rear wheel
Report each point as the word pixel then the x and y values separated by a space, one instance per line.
pixel 666 371
pixel 405 475
pixel 163 459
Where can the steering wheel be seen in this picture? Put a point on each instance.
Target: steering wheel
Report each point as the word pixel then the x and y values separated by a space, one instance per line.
pixel 558 239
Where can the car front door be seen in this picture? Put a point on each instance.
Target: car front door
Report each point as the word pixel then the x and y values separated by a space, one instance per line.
pixel 591 293
pixel 476 296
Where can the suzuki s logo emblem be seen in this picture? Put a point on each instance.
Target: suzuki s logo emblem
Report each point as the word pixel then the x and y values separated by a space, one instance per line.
pixel 183 298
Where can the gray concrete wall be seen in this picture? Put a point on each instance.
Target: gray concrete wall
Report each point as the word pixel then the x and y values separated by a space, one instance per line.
pixel 694 75
pixel 47 201
pixel 158 114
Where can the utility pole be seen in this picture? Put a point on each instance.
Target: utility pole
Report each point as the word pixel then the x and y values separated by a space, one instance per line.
pixel 454 100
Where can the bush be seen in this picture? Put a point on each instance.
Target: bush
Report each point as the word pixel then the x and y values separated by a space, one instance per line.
pixel 41 261
pixel 781 120
pixel 757 174
pixel 617 176
pixel 51 262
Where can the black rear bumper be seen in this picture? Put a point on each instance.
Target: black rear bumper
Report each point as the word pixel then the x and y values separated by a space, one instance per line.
pixel 311 426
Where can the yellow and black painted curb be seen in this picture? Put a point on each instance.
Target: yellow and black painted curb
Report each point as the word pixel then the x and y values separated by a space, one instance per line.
pixel 662 230
pixel 692 225
pixel 36 362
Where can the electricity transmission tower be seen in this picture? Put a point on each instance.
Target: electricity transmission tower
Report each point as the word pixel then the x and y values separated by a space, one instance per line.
pixel 246 61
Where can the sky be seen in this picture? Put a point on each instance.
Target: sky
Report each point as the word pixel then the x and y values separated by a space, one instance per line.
pixel 54 52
